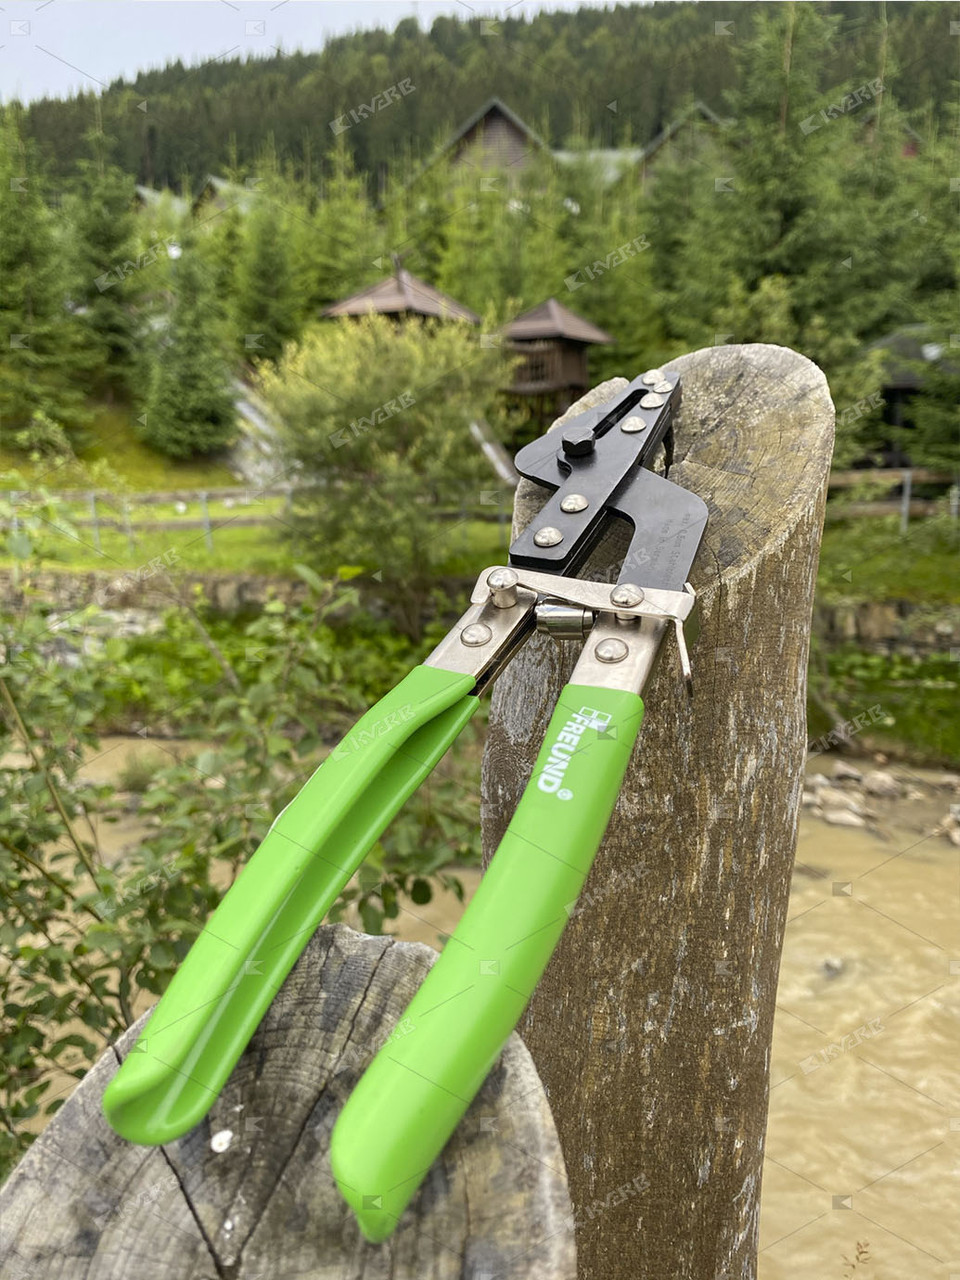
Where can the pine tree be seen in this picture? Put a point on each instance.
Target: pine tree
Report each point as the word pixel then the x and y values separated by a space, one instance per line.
pixel 106 262
pixel 268 306
pixel 190 408
pixel 42 357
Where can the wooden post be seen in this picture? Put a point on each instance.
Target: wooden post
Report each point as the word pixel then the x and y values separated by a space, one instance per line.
pixel 249 1192
pixel 652 1026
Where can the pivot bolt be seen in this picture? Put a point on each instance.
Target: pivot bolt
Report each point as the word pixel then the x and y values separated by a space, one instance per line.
pixel 578 442
pixel 503 588
pixel 478 633
pixel 548 536
pixel 574 502
pixel 626 595
pixel 611 650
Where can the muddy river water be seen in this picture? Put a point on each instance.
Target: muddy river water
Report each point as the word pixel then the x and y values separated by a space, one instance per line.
pixel 863 1142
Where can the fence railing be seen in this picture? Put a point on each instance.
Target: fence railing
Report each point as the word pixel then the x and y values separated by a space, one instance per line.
pixel 121 505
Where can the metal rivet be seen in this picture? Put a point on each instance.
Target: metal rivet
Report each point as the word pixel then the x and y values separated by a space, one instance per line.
pixel 611 651
pixel 476 634
pixel 633 424
pixel 652 401
pixel 574 502
pixel 664 388
pixel 626 595
pixel 547 536
pixel 655 375
pixel 503 588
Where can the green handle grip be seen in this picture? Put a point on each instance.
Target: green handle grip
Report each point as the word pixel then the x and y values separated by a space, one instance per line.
pixel 194 1037
pixel 414 1093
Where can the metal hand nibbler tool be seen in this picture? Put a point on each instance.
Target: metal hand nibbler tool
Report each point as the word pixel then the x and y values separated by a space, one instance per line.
pixel 413 1094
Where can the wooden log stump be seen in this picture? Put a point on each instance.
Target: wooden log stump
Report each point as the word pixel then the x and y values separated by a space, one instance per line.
pixel 651 1029
pixel 249 1193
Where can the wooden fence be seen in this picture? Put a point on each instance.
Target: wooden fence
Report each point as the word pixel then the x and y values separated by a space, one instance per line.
pixel 905 505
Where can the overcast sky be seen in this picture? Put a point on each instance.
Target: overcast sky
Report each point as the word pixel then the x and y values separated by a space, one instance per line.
pixel 51 48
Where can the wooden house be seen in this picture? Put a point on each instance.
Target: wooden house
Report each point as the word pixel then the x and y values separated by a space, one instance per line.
pixel 402 294
pixel 553 342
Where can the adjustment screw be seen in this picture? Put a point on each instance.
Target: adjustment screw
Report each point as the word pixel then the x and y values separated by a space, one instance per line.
pixel 626 595
pixel 503 588
pixel 478 633
pixel 547 536
pixel 652 401
pixel 578 442
pixel 574 502
pixel 611 651
pixel 630 425
pixel 655 375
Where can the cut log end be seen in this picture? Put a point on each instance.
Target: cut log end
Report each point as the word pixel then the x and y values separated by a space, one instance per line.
pixel 651 1028
pixel 249 1191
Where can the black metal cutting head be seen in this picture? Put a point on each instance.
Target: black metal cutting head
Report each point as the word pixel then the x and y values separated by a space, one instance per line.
pixel 598 464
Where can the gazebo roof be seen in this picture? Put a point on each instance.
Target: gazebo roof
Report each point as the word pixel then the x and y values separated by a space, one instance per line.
pixel 402 294
pixel 551 319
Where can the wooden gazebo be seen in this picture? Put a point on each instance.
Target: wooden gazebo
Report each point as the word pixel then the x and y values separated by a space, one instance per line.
pixel 402 294
pixel 553 342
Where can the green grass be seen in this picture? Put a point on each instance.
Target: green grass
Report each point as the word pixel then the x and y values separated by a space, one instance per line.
pixel 259 549
pixel 112 441
pixel 871 560
pixel 915 697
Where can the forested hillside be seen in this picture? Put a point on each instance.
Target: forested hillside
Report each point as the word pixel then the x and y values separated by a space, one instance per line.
pixel 612 77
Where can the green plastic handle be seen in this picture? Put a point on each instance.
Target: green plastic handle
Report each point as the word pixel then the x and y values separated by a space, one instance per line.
pixel 415 1091
pixel 193 1039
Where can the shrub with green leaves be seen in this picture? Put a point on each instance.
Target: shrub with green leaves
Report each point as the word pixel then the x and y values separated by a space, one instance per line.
pixel 89 936
pixel 376 420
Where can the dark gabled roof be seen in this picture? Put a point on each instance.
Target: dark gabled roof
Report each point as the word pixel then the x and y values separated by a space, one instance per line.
pixel 402 294
pixel 491 105
pixel 696 108
pixel 551 319
pixel 150 198
pixel 906 351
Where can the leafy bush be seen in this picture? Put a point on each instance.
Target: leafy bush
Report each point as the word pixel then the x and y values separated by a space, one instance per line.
pixel 376 419
pixel 88 937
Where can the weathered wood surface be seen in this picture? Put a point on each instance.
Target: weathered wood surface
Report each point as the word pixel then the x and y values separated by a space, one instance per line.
pixel 651 1029
pixel 249 1192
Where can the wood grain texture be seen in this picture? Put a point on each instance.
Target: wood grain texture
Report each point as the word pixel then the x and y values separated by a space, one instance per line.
pixel 651 1029
pixel 84 1204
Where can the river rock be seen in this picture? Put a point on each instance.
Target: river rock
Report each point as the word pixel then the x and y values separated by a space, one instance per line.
pixel 949 781
pixel 880 783
pixel 818 780
pixel 834 798
pixel 843 772
pixel 843 818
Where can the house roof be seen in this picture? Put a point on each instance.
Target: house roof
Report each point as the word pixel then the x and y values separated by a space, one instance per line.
pixel 402 294
pixel 906 350
pixel 488 108
pixel 551 319
pixel 697 108
pixel 611 161
pixel 239 194
pixel 151 197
